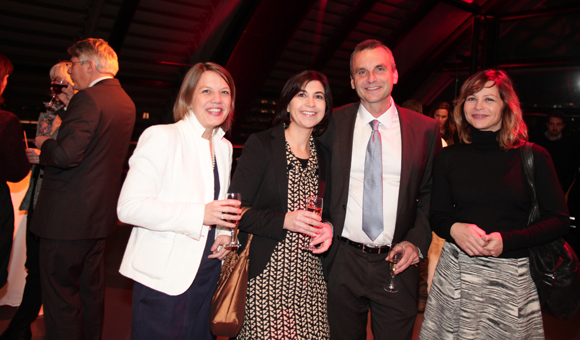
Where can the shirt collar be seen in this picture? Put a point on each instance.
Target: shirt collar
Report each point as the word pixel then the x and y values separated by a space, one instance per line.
pixel 192 121
pixel 99 79
pixel 386 119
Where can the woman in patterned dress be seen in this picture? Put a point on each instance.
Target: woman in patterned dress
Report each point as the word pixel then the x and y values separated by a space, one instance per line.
pixel 480 204
pixel 280 169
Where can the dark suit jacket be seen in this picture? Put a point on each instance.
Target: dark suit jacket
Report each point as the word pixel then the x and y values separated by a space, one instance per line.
pixel 82 178
pixel 262 180
pixel 420 143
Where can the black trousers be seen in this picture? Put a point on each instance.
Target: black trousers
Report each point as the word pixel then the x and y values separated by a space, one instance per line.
pixel 72 274
pixel 157 315
pixel 356 285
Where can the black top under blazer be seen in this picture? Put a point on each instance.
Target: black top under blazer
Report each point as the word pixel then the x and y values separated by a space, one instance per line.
pixel 261 177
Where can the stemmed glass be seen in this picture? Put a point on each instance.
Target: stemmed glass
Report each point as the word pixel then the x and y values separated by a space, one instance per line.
pixel 56 88
pixel 396 256
pixel 234 243
pixel 315 206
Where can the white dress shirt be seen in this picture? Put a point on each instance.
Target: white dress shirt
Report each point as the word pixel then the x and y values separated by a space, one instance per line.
pixel 390 130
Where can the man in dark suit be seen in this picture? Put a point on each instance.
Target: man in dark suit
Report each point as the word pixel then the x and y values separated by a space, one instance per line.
pixel 76 208
pixel 370 216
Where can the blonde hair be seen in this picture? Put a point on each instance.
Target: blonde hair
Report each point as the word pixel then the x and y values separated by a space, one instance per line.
pixel 98 51
pixel 182 105
pixel 513 132
pixel 60 70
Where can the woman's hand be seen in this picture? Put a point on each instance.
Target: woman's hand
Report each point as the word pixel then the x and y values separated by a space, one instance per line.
pixel 222 252
pixel 33 156
pixel 302 221
pixel 222 212
pixel 494 244
pixel 470 238
pixel 324 239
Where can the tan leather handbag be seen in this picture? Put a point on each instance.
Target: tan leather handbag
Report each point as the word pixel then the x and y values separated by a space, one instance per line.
pixel 228 304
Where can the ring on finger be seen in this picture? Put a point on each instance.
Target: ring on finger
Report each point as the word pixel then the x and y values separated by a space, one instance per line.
pixel 222 216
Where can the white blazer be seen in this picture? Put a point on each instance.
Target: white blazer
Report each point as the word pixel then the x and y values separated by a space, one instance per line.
pixel 169 182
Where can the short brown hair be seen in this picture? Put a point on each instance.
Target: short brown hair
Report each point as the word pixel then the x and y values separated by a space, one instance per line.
pixel 99 51
pixel 513 132
pixel 182 105
pixel 371 44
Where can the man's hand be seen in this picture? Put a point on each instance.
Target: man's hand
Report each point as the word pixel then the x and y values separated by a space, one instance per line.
pixel 66 95
pixel 410 256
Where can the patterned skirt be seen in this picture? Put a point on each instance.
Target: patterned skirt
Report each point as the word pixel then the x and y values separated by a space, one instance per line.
pixel 288 299
pixel 481 298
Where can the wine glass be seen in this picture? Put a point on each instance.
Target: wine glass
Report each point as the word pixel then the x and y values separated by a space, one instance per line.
pixel 396 256
pixel 56 87
pixel 234 243
pixel 315 206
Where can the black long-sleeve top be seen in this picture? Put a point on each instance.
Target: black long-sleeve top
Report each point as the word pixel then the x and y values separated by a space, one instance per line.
pixel 479 183
pixel 14 165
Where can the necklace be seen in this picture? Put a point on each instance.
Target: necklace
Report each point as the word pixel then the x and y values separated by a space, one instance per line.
pixel 212 146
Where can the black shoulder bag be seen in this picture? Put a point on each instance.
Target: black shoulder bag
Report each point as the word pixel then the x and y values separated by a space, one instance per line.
pixel 553 265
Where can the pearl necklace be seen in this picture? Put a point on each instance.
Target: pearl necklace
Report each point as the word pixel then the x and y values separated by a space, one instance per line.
pixel 212 146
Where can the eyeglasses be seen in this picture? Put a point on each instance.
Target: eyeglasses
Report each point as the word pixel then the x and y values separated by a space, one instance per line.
pixel 69 66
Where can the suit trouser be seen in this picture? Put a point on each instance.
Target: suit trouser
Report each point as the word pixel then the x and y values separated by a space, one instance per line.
pixel 356 284
pixel 72 276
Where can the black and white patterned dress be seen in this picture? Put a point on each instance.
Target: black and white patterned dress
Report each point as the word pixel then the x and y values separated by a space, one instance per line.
pixel 288 299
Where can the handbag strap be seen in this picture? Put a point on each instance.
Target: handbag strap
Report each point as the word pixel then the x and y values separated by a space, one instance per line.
pixel 527 157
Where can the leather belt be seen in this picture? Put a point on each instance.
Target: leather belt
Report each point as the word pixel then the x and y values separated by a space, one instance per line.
pixel 367 248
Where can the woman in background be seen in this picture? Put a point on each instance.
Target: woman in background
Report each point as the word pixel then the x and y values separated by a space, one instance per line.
pixel 19 327
pixel 480 204
pixel 279 170
pixel 173 195
pixel 442 112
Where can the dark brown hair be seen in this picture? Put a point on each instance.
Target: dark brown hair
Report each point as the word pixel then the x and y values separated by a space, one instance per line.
pixel 292 87
pixel 513 132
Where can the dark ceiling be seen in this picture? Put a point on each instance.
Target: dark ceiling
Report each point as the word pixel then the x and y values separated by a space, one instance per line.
pixel 436 44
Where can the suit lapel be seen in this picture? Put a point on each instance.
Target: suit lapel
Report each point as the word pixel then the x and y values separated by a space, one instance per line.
pixel 407 146
pixel 344 134
pixel 278 150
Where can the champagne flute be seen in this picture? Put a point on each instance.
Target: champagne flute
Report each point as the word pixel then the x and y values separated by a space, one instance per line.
pixel 315 206
pixel 234 243
pixel 396 256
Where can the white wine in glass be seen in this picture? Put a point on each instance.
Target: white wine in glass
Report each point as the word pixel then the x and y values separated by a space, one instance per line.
pixel 234 243
pixel 395 258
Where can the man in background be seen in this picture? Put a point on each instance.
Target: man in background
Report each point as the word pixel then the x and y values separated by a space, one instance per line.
pixel 562 148
pixel 76 208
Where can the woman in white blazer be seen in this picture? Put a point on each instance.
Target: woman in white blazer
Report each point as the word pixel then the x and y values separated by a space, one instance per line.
pixel 171 195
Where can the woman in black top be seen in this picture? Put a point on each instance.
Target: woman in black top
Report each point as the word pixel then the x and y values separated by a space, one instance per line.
pixel 480 204
pixel 279 170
